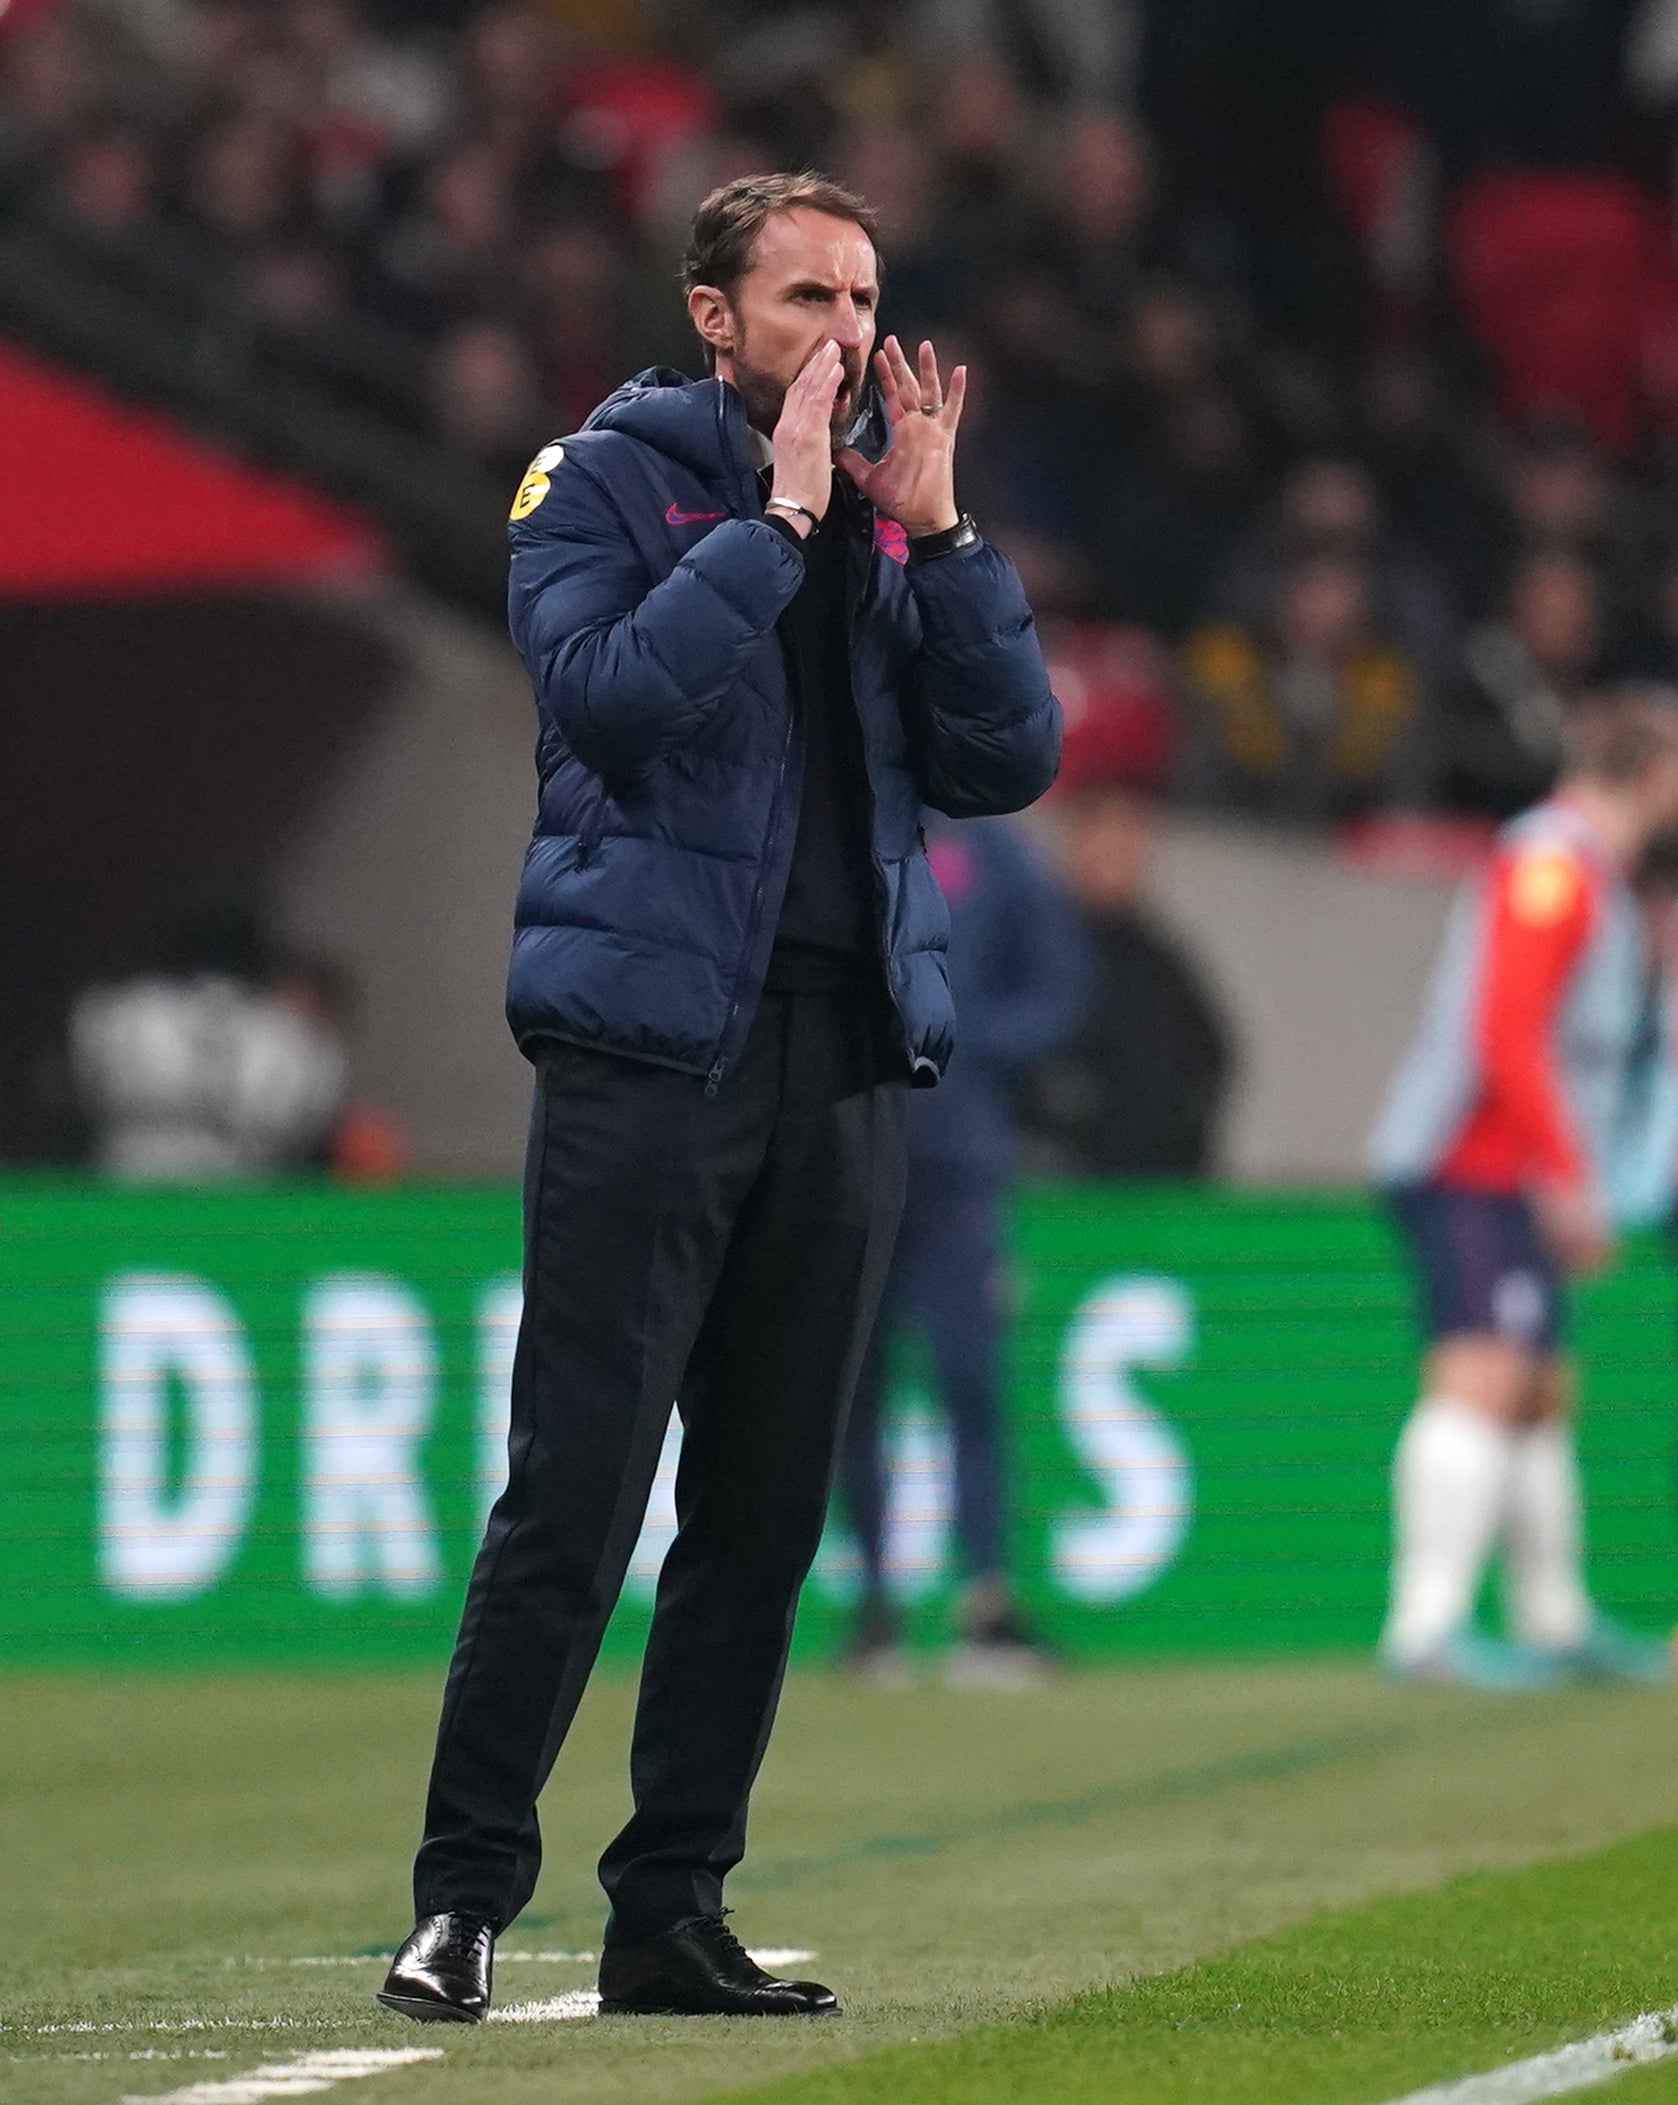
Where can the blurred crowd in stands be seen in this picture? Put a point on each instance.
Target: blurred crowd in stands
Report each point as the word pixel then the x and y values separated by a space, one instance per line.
pixel 1325 359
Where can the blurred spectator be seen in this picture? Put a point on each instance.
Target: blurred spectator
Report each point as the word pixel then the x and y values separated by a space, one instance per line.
pixel 1137 1091
pixel 370 95
pixel 1437 474
pixel 455 252
pixel 53 81
pixel 1095 224
pixel 1560 491
pixel 107 180
pixel 1017 970
pixel 892 164
pixel 1314 716
pixel 1016 438
pixel 242 186
pixel 1500 741
pixel 205 1069
pixel 573 296
pixel 1170 464
pixel 979 125
pixel 295 287
pixel 1331 506
pixel 1070 53
pixel 485 400
pixel 507 77
pixel 639 117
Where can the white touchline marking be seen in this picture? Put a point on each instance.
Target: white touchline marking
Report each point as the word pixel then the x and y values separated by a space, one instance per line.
pixel 502 1958
pixel 301 2078
pixel 160 2024
pixel 1578 2066
pixel 774 1956
pixel 581 2002
pixel 584 2002
pixel 134 2054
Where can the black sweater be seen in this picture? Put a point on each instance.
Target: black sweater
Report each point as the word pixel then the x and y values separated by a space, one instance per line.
pixel 826 940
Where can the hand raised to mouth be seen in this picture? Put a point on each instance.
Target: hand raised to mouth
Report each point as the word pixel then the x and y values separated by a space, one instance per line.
pixel 913 481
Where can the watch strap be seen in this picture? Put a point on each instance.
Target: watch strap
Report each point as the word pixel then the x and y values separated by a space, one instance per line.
pixel 950 540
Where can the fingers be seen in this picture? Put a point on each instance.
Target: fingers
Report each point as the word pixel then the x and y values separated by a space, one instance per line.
pixel 807 407
pixel 903 375
pixel 818 381
pixel 931 394
pixel 856 465
pixel 886 374
pixel 955 398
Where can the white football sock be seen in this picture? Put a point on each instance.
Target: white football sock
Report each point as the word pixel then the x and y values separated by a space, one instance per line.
pixel 1544 1552
pixel 1450 1481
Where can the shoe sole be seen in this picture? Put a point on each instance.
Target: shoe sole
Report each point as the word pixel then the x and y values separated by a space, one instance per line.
pixel 424 2011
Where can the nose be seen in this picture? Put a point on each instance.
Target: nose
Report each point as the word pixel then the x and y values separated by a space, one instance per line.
pixel 849 330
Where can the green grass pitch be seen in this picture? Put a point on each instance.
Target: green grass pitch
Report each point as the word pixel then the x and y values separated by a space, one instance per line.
pixel 1256 1884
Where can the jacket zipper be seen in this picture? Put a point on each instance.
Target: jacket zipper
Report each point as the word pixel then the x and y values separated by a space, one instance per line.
pixel 876 876
pixel 713 1081
pixel 744 481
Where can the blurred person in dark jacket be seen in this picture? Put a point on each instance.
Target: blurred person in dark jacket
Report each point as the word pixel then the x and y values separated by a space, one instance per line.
pixel 1500 739
pixel 1018 970
pixel 1137 1090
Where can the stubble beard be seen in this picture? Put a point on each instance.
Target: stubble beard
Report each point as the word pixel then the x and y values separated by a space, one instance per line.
pixel 765 396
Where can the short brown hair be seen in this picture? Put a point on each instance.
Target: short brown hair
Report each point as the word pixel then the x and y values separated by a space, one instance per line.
pixel 727 224
pixel 1616 734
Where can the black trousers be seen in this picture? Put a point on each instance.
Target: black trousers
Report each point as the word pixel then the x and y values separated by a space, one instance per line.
pixel 727 1253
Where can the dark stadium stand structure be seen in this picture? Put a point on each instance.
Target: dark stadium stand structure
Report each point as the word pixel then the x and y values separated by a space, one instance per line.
pixel 332 409
pixel 187 633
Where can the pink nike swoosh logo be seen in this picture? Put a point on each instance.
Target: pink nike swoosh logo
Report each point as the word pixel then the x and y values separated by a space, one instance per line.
pixel 674 517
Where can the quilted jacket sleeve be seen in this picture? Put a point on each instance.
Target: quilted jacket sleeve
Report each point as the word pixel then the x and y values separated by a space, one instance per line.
pixel 983 722
pixel 626 668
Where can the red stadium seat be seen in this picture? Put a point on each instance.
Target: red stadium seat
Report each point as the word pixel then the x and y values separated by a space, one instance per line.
pixel 1567 280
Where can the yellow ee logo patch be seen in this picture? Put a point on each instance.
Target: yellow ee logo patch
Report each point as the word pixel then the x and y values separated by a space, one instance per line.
pixel 536 485
pixel 1544 887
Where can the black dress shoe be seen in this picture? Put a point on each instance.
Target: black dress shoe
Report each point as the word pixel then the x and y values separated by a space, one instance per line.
pixel 442 1974
pixel 701 1969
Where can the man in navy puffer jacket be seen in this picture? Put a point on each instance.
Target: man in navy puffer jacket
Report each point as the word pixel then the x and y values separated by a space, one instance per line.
pixel 757 653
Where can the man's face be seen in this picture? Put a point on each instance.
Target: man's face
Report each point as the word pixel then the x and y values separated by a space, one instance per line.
pixel 1108 848
pixel 811 277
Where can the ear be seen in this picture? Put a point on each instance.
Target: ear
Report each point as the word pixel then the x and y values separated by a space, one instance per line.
pixel 709 311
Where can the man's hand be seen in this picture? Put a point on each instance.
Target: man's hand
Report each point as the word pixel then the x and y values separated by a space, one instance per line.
pixel 913 481
pixel 1573 1225
pixel 803 437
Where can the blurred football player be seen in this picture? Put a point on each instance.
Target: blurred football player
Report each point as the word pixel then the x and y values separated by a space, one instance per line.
pixel 1495 1147
pixel 1018 967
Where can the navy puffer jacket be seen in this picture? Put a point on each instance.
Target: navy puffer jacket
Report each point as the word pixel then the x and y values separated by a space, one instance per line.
pixel 646 586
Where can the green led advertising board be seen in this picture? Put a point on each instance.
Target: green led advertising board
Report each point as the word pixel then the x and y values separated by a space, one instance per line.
pixel 265 1425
